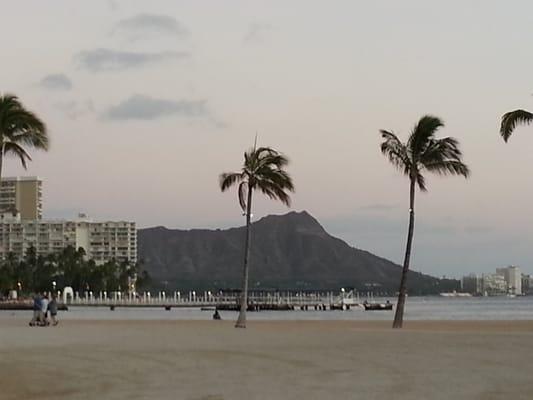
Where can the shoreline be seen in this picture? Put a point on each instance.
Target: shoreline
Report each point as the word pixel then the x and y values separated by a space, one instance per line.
pixel 499 326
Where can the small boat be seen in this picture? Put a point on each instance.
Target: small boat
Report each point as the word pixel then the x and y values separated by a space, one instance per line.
pixel 377 306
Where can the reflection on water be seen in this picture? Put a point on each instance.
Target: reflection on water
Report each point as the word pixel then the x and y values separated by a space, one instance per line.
pixel 417 308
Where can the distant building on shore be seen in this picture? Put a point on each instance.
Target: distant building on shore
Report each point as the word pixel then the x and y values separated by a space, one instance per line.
pixel 472 284
pixel 513 279
pixel 22 195
pixel 527 284
pixel 507 280
pixel 102 241
pixel 493 284
pixel 22 227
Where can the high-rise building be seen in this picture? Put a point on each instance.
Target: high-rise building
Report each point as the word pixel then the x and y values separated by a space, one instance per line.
pixel 494 284
pixel 513 279
pixel 21 195
pixel 527 284
pixel 22 227
pixel 472 284
pixel 102 241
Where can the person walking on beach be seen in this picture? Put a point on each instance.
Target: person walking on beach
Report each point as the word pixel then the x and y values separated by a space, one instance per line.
pixel 36 310
pixel 44 311
pixel 52 308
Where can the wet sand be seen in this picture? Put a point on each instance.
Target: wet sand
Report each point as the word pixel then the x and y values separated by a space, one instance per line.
pixel 210 360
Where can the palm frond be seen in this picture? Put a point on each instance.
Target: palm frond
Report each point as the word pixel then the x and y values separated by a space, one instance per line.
pixel 513 118
pixel 228 179
pixel 263 150
pixel 439 150
pixel 17 150
pixel 449 167
pixel 19 125
pixel 275 160
pixel 424 152
pixel 443 156
pixel 274 191
pixel 421 182
pixel 422 133
pixel 243 191
pixel 263 170
pixel 395 151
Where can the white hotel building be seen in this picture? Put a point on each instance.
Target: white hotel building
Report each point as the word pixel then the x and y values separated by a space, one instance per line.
pixel 102 241
pixel 21 227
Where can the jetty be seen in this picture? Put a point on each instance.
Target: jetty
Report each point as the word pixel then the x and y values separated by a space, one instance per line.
pixel 225 300
pixel 228 300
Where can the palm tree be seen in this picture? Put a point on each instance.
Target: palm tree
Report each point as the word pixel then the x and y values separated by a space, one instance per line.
pixel 422 152
pixel 511 119
pixel 263 170
pixel 19 128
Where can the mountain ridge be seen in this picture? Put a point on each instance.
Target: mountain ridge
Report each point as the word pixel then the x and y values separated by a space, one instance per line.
pixel 289 251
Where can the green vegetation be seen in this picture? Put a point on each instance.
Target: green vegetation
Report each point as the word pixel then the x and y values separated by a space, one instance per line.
pixel 66 268
pixel 262 170
pixel 513 118
pixel 422 153
pixel 19 129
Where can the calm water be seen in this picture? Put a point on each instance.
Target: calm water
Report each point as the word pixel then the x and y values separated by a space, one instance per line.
pixel 418 308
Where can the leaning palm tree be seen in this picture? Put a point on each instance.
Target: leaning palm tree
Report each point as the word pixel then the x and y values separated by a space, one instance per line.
pixel 513 118
pixel 19 129
pixel 262 170
pixel 422 152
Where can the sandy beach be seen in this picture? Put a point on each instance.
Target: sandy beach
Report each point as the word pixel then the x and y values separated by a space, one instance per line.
pixel 210 360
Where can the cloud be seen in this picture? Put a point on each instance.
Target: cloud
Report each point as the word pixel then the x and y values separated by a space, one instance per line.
pixel 143 26
pixel 147 108
pixel 255 32
pixel 99 60
pixel 56 82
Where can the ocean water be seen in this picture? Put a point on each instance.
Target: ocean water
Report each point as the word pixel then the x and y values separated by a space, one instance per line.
pixel 417 308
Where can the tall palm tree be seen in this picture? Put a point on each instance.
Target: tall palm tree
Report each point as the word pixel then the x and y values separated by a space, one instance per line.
pixel 19 129
pixel 262 170
pixel 513 118
pixel 422 152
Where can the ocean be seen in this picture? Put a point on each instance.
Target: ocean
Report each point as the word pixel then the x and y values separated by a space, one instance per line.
pixel 417 308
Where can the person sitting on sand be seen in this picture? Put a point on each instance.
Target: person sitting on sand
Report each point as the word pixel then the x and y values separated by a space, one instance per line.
pixel 216 315
pixel 52 308
pixel 36 310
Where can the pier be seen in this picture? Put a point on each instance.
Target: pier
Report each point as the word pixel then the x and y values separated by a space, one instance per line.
pixel 257 300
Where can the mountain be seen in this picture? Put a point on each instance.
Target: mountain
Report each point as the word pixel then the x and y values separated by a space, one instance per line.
pixel 291 251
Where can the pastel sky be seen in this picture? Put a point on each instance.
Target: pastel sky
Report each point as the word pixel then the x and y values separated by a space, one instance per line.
pixel 147 102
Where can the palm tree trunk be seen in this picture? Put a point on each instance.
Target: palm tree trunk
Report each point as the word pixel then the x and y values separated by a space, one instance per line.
pixel 398 316
pixel 241 320
pixel 1 161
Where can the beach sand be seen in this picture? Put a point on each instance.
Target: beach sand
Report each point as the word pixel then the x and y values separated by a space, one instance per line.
pixel 211 360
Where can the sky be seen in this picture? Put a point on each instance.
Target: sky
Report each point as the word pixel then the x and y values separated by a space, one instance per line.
pixel 148 102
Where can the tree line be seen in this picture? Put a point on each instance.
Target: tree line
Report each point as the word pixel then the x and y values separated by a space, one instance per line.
pixel 69 267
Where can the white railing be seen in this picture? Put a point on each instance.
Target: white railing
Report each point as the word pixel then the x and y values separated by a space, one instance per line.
pixel 204 298
pixel 207 298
